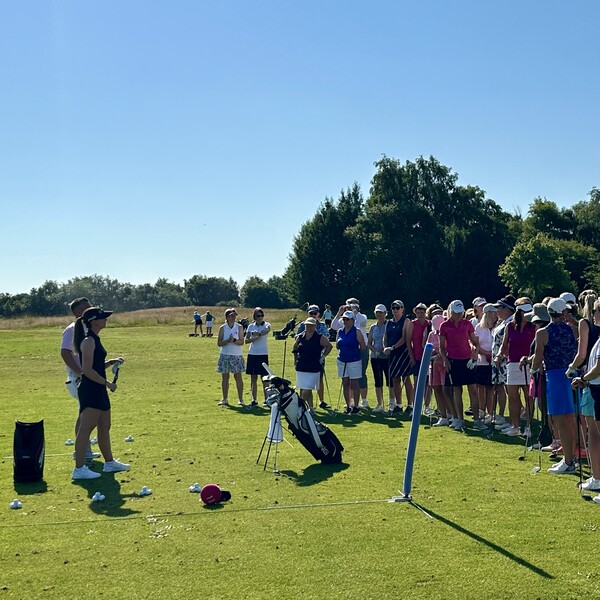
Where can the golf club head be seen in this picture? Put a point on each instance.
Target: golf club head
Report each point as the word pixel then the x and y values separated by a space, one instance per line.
pixel 535 469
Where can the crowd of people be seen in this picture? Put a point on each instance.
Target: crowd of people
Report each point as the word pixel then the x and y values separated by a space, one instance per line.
pixel 513 357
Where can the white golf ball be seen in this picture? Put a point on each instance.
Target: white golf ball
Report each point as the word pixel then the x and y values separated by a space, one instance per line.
pixel 94 440
pixel 129 438
pixel 69 442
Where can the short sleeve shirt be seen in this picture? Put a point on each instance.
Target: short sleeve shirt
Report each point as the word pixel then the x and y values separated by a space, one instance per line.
pixel 457 338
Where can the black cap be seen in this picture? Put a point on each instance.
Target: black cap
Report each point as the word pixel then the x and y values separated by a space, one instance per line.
pixel 94 313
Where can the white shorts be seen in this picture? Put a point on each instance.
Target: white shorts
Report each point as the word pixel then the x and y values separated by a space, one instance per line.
pixel 209 323
pixel 514 375
pixel 307 381
pixel 352 370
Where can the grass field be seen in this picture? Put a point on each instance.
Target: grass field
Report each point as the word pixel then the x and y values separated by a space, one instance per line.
pixel 495 530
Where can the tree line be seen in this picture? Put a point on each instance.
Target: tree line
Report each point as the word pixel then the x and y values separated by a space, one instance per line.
pixel 52 298
pixel 418 236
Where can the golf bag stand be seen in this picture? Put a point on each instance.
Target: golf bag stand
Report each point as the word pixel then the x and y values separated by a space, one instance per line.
pixel 28 451
pixel 274 436
pixel 317 438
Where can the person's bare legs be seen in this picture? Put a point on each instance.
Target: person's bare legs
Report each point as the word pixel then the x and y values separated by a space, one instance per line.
pixel 104 422
pixel 239 384
pixel 88 421
pixel 225 385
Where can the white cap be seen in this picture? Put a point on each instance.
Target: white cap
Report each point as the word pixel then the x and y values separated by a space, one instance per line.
pixel 557 306
pixel 456 306
pixel 380 308
pixel 348 315
pixel 568 298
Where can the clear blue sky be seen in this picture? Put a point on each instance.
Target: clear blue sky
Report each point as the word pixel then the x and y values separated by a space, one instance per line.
pixel 195 137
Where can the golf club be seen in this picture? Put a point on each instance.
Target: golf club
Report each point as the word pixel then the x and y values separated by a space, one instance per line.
pixel 585 497
pixel 528 421
pixel 115 369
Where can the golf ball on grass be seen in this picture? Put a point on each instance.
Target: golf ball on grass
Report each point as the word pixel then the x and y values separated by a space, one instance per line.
pixel 69 442
pixel 94 440
pixel 129 438
pixel 98 497
pixel 145 491
pixel 195 489
pixel 16 503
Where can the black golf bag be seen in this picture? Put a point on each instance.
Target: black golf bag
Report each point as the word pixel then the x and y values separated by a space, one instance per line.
pixel 28 451
pixel 317 438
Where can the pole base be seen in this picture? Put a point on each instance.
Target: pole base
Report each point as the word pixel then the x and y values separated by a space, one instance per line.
pixel 403 498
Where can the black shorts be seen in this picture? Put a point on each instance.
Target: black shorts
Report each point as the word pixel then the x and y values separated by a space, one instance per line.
pixel 459 374
pixel 254 364
pixel 483 375
pixel 595 391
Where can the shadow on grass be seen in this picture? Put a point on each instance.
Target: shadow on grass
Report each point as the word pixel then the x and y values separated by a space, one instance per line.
pixel 27 488
pixel 113 505
pixel 481 540
pixel 315 473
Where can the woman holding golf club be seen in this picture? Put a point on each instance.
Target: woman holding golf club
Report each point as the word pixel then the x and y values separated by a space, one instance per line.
pixel 256 336
pixel 589 332
pixel 483 372
pixel 398 333
pixel 350 343
pixel 518 336
pixel 459 349
pixel 310 350
pixel 379 360
pixel 94 404
pixel 231 359
pixel 556 346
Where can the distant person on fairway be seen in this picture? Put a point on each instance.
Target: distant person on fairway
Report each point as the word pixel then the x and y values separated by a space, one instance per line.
pixel 231 359
pixel 198 323
pixel 72 362
pixel 94 404
pixel 208 319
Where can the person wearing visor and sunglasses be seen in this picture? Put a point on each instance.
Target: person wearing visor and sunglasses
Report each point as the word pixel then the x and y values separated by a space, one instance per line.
pixel 350 343
pixel 322 330
pixel 94 404
pixel 398 335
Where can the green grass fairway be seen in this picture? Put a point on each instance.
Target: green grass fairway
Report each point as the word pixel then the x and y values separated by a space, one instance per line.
pixel 496 530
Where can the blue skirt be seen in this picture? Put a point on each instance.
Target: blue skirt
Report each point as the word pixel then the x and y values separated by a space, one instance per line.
pixel 559 393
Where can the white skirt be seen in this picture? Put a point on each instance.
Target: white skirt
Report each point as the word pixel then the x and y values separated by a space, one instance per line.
pixel 517 377
pixel 307 381
pixel 352 370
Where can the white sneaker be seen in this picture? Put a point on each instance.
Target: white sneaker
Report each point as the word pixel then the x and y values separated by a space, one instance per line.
pixel 511 431
pixel 506 425
pixel 561 468
pixel 591 484
pixel 223 402
pixel 378 408
pixel 479 425
pixel 364 403
pixel 457 424
pixel 392 405
pixel 596 499
pixel 241 402
pixel 113 466
pixel 527 432
pixel 441 422
pixel 84 473
pixel 488 419
pixel 428 411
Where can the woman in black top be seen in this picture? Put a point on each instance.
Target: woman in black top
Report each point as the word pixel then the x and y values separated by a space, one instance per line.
pixel 94 404
pixel 310 349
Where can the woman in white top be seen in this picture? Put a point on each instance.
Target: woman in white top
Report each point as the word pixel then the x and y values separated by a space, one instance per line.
pixel 256 336
pixel 485 389
pixel 231 359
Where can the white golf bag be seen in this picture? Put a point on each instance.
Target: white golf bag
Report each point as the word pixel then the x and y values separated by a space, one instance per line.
pixel 317 438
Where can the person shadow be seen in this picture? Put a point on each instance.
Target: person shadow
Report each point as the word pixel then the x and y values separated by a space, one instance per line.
pixel 109 486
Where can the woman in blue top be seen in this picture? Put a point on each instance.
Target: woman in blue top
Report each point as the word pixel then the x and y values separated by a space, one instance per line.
pixel 350 342
pixel 556 345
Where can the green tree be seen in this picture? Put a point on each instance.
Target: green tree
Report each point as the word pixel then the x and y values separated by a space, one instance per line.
pixel 587 220
pixel 210 291
pixel 320 266
pixel 536 268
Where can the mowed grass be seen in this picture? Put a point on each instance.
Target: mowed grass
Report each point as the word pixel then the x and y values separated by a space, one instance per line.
pixel 495 531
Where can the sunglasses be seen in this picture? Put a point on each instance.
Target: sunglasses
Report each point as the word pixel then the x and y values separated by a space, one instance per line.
pixel 313 313
pixel 396 307
pixel 260 314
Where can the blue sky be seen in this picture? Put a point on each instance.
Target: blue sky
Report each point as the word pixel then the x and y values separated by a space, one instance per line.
pixel 165 139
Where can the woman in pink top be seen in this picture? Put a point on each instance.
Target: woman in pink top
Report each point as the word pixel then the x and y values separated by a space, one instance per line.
pixel 518 336
pixel 437 374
